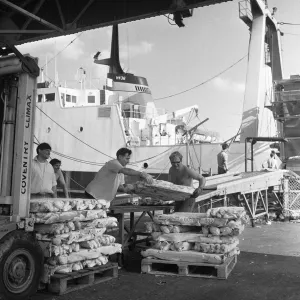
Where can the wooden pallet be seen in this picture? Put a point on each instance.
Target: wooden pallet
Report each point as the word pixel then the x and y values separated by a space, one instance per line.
pixel 181 268
pixel 65 283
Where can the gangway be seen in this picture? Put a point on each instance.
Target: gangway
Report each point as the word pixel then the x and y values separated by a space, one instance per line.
pixel 254 190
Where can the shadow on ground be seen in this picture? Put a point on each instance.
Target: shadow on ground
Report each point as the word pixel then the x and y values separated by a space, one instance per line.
pixel 256 276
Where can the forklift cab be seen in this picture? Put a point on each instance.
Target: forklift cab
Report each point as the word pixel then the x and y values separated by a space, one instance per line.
pixel 21 258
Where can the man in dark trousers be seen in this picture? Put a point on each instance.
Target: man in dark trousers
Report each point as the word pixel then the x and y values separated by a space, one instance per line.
pixel 222 159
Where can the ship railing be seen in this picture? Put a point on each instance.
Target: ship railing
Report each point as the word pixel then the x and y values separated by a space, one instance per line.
pixel 245 12
pixel 284 96
pixel 142 112
pixel 286 104
pixel 93 83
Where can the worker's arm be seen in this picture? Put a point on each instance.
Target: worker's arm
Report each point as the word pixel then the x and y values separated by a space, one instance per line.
pixel 62 182
pixel 66 192
pixel 127 171
pixel 170 176
pixel 54 189
pixel 126 188
pixel 54 184
pixel 201 180
pixel 225 157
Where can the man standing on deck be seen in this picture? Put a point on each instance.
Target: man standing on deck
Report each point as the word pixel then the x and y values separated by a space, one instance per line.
pixel 182 175
pixel 271 162
pixel 222 159
pixel 110 178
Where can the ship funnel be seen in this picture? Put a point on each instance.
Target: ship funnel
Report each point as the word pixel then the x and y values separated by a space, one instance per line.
pixel 114 61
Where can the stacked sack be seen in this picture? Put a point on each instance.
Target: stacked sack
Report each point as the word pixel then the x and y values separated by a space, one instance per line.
pixel 71 233
pixel 222 235
pixel 196 237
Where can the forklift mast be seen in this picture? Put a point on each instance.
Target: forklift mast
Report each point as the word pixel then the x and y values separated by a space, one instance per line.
pixel 18 81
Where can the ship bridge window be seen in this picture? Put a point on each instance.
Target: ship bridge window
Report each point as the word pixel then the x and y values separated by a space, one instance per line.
pixel 91 99
pixel 50 97
pixel 40 98
pixel 142 89
pixel 74 99
pixel 68 98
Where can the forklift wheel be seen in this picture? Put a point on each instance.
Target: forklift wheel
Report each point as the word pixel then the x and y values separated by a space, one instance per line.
pixel 21 265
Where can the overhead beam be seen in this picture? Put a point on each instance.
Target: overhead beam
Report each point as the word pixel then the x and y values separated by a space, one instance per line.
pixel 95 25
pixel 82 12
pixel 62 18
pixel 30 15
pixel 25 31
pixel 21 5
pixel 36 9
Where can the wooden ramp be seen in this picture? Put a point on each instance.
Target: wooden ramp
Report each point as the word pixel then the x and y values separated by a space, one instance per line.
pixel 252 189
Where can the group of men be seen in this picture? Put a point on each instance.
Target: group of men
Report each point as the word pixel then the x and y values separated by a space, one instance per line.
pixel 45 175
pixel 110 178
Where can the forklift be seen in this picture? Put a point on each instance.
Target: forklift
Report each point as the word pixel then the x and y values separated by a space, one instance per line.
pixel 21 257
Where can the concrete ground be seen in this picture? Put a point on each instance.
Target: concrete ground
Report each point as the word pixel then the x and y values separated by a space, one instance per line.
pixel 267 268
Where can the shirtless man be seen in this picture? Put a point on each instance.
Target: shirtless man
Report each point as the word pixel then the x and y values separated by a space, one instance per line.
pixel 182 175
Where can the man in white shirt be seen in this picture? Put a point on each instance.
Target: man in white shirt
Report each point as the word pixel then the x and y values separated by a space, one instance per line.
pixel 110 178
pixel 271 162
pixel 43 181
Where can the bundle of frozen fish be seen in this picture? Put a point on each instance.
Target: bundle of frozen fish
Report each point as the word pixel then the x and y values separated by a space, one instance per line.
pixel 59 217
pixel 163 190
pixel 66 204
pixel 213 233
pixel 71 233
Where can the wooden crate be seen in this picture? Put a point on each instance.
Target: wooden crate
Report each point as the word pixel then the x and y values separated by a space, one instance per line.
pixel 181 268
pixel 65 283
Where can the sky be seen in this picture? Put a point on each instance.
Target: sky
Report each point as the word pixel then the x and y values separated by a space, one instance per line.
pixel 175 59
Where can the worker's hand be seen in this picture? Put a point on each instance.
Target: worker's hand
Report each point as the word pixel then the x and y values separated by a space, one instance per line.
pixel 129 189
pixel 148 178
pixel 196 193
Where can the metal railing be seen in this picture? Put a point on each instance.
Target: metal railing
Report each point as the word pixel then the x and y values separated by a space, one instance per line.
pixel 245 12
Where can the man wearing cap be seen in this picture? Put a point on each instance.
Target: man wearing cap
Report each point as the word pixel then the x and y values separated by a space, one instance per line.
pixel 271 162
pixel 222 159
pixel 43 181
pixel 110 178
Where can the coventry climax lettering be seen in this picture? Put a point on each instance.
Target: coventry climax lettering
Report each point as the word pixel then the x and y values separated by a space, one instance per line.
pixel 28 112
pixel 25 168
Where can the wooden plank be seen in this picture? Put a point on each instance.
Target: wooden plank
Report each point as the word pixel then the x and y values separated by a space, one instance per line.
pixel 189 269
pixel 207 195
pixel 138 208
pixel 189 256
pixel 65 283
pixel 221 178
